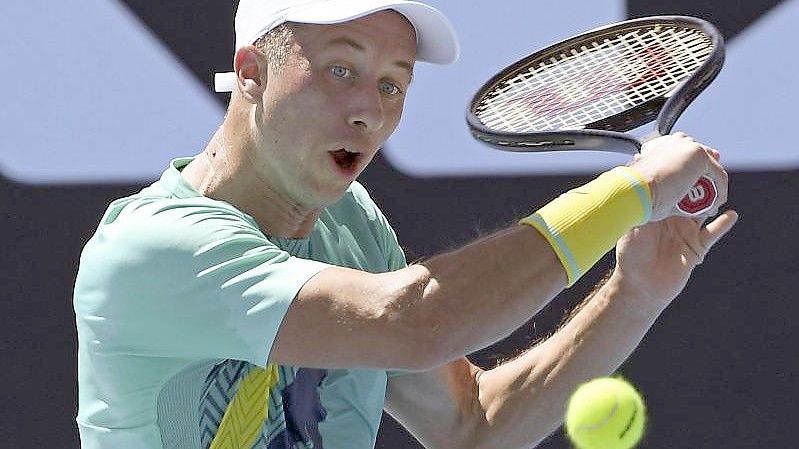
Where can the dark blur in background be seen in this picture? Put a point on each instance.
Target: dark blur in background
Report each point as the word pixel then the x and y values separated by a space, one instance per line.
pixel 718 370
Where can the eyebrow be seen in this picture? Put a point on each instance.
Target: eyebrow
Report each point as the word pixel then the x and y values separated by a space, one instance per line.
pixel 348 42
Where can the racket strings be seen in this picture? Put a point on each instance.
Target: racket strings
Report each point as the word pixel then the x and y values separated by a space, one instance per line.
pixel 595 80
pixel 595 85
pixel 598 81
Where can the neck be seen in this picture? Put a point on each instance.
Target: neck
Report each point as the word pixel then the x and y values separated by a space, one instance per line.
pixel 221 172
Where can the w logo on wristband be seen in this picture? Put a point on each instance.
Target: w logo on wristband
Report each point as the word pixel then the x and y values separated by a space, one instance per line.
pixel 700 198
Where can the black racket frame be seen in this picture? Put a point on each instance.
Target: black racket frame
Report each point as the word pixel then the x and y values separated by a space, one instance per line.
pixel 606 134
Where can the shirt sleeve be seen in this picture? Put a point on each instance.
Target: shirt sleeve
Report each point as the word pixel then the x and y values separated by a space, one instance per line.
pixel 187 280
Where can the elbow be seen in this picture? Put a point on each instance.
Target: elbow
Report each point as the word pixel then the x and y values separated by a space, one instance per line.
pixel 426 354
pixel 421 346
pixel 417 321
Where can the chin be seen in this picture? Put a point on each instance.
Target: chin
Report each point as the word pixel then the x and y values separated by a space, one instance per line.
pixel 327 197
pixel 337 196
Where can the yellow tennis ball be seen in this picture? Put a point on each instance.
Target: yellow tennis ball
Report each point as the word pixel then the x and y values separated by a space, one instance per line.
pixel 605 413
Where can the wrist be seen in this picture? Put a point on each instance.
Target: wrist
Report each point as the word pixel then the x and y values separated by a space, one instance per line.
pixel 583 224
pixel 635 294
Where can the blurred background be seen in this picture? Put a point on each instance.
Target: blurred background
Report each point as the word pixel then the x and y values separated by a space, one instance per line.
pixel 101 94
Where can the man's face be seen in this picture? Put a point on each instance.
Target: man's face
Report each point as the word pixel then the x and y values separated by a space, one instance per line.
pixel 327 111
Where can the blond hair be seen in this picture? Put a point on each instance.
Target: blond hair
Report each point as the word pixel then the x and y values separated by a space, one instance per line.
pixel 276 44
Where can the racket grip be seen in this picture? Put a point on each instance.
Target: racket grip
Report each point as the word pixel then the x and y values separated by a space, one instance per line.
pixel 700 199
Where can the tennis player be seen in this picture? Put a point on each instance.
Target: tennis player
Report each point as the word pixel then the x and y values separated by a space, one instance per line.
pixel 256 297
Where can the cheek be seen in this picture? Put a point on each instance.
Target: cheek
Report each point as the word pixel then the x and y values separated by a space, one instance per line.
pixel 287 117
pixel 286 91
pixel 310 107
pixel 393 116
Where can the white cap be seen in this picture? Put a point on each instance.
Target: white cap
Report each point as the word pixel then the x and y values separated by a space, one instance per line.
pixel 436 41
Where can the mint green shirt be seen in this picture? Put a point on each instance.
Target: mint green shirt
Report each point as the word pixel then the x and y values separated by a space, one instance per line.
pixel 178 296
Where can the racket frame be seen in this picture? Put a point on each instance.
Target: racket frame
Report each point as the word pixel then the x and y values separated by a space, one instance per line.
pixel 606 134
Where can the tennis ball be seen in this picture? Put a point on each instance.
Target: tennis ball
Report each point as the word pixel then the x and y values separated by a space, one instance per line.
pixel 605 413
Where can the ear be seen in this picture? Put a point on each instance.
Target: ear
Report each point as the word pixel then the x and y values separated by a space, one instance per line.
pixel 251 72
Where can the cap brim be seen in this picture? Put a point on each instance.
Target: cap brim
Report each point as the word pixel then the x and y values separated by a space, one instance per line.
pixel 436 39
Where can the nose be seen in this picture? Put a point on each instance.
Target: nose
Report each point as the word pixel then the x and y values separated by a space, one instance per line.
pixel 366 109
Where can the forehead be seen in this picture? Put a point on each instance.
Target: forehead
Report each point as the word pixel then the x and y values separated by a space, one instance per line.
pixel 383 32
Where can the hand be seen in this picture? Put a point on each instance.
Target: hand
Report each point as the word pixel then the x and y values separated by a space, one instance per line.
pixel 655 260
pixel 671 165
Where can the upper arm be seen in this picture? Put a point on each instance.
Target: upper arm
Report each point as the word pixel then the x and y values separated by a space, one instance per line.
pixel 350 318
pixel 439 407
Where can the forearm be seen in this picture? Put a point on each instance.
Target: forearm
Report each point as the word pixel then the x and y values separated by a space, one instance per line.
pixel 523 401
pixel 476 295
pixel 501 281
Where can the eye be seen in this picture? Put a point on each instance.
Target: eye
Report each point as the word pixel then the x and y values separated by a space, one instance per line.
pixel 389 88
pixel 340 71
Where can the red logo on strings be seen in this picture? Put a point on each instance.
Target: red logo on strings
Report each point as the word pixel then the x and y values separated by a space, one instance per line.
pixel 586 87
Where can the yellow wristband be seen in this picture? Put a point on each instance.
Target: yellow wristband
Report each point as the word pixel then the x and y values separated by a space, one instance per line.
pixel 585 223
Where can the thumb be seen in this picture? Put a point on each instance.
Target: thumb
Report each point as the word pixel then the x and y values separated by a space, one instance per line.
pixel 716 229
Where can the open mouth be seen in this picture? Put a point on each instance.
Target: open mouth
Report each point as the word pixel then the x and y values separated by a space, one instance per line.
pixel 346 159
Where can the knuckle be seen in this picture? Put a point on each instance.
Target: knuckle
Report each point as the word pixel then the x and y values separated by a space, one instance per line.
pixel 723 177
pixel 697 151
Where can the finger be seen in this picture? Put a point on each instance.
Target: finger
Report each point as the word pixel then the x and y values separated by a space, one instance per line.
pixel 713 152
pixel 701 219
pixel 716 229
pixel 683 135
pixel 721 179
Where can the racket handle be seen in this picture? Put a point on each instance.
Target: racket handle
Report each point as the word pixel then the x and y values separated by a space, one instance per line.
pixel 700 199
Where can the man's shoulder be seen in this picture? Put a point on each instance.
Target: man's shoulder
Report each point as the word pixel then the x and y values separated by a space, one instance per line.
pixel 148 224
pixel 359 212
pixel 151 204
pixel 357 198
pixel 357 209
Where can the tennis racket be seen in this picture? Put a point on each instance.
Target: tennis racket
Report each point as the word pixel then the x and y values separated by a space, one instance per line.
pixel 586 92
